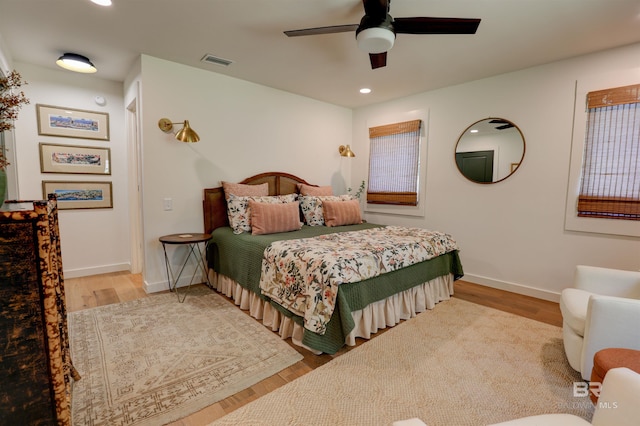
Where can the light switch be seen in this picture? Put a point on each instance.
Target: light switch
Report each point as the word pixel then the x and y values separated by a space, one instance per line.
pixel 168 204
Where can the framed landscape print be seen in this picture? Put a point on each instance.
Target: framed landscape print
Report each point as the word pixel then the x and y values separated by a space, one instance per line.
pixel 74 159
pixel 72 123
pixel 79 195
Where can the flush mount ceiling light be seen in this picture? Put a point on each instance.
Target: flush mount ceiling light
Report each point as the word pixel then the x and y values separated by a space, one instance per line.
pixel 186 134
pixel 77 63
pixel 102 2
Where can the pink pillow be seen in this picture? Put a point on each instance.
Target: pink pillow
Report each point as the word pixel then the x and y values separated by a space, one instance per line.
pixel 338 213
pixel 244 190
pixel 271 218
pixel 314 190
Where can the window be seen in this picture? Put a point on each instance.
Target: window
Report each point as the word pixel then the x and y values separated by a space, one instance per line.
pixel 610 176
pixel 394 163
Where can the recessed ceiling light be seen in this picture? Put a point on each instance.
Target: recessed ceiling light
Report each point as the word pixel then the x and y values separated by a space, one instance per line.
pixel 473 131
pixel 365 90
pixel 102 2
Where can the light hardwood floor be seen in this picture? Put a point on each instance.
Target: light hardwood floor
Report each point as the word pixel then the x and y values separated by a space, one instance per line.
pixel 99 290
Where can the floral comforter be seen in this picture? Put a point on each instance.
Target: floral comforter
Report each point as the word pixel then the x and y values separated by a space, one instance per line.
pixel 303 275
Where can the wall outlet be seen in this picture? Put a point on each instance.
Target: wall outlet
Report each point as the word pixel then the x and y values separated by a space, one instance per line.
pixel 167 204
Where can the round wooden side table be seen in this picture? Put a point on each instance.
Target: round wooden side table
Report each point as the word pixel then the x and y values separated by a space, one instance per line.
pixel 193 242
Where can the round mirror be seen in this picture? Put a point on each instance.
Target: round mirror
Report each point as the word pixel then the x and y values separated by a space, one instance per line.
pixel 490 150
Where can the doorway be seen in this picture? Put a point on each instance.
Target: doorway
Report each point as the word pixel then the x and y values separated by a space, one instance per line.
pixel 476 165
pixel 135 188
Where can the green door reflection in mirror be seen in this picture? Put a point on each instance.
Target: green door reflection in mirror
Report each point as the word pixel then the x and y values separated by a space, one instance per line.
pixel 490 150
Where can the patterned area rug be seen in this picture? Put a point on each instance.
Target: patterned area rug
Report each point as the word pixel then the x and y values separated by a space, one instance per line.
pixel 459 364
pixel 155 360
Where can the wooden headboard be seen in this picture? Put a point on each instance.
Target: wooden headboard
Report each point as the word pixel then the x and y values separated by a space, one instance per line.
pixel 215 205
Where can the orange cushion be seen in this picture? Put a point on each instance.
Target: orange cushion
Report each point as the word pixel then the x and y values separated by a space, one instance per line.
pixel 606 359
pixel 271 218
pixel 338 213
pixel 314 190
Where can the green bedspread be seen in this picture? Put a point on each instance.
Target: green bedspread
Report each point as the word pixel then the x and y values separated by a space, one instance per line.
pixel 239 257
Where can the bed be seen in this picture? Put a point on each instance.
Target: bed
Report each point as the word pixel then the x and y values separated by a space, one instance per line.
pixel 359 307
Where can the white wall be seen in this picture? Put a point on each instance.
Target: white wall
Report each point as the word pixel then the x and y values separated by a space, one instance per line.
pixel 97 240
pixel 244 129
pixel 511 233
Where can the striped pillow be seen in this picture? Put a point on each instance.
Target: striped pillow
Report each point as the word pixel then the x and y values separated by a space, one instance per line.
pixel 314 190
pixel 239 211
pixel 312 207
pixel 271 218
pixel 338 213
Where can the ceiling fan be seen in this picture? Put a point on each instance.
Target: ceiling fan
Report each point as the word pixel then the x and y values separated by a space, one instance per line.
pixel 377 30
pixel 503 124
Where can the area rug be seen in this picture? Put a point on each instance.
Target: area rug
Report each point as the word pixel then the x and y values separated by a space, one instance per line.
pixel 458 364
pixel 155 360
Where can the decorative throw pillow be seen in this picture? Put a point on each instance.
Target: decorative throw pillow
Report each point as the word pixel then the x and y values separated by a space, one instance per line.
pixel 271 218
pixel 338 213
pixel 243 190
pixel 314 190
pixel 239 211
pixel 312 207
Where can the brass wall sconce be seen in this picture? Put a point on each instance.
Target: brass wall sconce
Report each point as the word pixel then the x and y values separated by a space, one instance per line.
pixel 186 134
pixel 345 151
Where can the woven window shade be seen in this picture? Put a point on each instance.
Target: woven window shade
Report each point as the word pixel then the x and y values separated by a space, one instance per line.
pixel 394 163
pixel 610 184
pixel 615 96
pixel 395 129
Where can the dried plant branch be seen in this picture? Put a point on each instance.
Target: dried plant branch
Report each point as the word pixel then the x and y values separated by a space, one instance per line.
pixel 11 100
pixel 360 190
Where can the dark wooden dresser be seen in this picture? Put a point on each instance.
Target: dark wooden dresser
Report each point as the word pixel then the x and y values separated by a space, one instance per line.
pixel 35 366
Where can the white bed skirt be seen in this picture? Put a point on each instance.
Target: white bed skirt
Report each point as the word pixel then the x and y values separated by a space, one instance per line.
pixel 378 315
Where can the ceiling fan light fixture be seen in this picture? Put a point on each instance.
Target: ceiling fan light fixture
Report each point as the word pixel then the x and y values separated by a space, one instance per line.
pixel 77 63
pixel 375 40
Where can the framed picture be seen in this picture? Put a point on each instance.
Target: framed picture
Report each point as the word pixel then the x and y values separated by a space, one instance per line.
pixel 72 123
pixel 74 159
pixel 79 195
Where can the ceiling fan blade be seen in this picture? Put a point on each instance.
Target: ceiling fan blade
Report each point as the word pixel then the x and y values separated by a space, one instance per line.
pixel 378 60
pixel 435 25
pixel 504 126
pixel 322 30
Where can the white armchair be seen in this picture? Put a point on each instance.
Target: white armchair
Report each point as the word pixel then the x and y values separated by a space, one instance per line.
pixel 619 405
pixel 601 310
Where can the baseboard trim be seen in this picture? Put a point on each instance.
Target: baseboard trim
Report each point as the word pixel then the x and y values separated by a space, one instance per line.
pixel 164 286
pixel 513 287
pixel 155 287
pixel 96 270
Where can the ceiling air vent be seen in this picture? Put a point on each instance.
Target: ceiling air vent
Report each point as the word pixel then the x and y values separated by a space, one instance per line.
pixel 215 60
